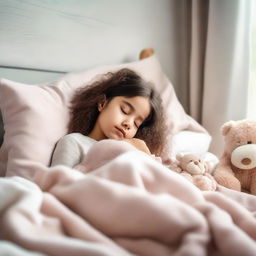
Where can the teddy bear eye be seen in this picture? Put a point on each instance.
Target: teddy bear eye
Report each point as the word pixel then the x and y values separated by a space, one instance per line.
pixel 249 142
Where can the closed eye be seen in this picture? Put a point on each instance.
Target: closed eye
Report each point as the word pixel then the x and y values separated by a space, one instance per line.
pixel 124 111
pixel 138 122
pixel 136 125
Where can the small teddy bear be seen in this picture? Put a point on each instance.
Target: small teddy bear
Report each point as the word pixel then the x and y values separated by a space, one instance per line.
pixel 237 167
pixel 196 170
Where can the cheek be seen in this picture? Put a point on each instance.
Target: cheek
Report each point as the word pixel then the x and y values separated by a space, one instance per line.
pixel 103 120
pixel 131 133
pixel 108 117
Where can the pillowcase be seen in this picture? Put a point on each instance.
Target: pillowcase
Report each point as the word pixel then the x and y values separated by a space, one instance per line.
pixel 36 117
pixel 185 141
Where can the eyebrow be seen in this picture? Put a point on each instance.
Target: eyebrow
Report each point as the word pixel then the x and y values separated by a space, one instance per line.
pixel 133 108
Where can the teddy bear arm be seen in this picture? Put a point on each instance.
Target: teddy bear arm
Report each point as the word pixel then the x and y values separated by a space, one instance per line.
pixel 226 177
pixel 223 170
pixel 213 181
pixel 175 167
pixel 204 182
pixel 253 184
pixel 224 166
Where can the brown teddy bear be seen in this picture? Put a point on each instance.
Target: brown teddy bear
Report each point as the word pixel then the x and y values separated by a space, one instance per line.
pixel 196 170
pixel 237 167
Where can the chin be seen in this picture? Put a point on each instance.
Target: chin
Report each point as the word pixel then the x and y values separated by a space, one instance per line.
pixel 115 137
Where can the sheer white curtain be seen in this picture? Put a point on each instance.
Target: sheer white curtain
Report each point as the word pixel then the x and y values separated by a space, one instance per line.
pixel 251 104
pixel 219 63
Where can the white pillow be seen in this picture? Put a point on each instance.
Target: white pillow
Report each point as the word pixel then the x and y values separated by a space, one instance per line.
pixel 189 141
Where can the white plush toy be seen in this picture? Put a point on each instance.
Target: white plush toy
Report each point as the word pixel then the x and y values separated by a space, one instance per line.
pixel 196 170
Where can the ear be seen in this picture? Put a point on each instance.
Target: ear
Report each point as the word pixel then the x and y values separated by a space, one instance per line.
pixel 226 127
pixel 102 103
pixel 179 156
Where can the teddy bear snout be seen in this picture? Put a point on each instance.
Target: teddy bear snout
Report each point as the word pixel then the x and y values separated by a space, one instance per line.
pixel 195 168
pixel 244 157
pixel 246 161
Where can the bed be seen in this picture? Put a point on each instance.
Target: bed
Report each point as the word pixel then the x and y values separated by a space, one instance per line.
pixel 126 202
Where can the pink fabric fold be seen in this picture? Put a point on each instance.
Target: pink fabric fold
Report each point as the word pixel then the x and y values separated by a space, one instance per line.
pixel 127 204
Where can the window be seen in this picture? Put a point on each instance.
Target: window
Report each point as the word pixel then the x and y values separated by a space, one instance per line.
pixel 251 105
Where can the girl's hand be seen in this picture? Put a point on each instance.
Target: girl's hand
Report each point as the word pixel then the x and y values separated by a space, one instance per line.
pixel 139 144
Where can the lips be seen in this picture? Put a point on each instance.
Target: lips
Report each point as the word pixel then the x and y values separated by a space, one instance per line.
pixel 121 131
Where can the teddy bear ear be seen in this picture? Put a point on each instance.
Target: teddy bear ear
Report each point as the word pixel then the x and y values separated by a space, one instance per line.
pixel 226 127
pixel 179 156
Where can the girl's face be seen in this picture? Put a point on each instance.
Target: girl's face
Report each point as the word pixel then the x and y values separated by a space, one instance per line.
pixel 120 117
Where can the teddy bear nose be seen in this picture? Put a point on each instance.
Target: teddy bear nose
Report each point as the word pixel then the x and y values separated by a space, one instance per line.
pixel 246 161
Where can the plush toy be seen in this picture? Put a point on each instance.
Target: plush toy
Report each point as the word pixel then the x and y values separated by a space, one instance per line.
pixel 196 170
pixel 237 167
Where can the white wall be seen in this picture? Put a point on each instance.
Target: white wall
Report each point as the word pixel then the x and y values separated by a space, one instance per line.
pixel 73 35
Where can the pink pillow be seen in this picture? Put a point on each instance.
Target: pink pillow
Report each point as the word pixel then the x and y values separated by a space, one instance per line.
pixel 36 117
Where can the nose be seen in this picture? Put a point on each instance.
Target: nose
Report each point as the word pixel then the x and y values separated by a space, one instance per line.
pixel 126 125
pixel 246 161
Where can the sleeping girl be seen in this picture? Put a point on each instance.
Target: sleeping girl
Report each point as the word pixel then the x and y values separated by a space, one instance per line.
pixel 119 106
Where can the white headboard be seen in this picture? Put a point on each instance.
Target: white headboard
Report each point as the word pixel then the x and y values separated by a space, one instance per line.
pixel 66 36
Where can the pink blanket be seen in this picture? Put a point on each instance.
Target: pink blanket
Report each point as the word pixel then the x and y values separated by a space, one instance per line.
pixel 126 203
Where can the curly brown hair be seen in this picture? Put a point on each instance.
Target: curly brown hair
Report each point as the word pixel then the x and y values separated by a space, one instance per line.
pixel 126 83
